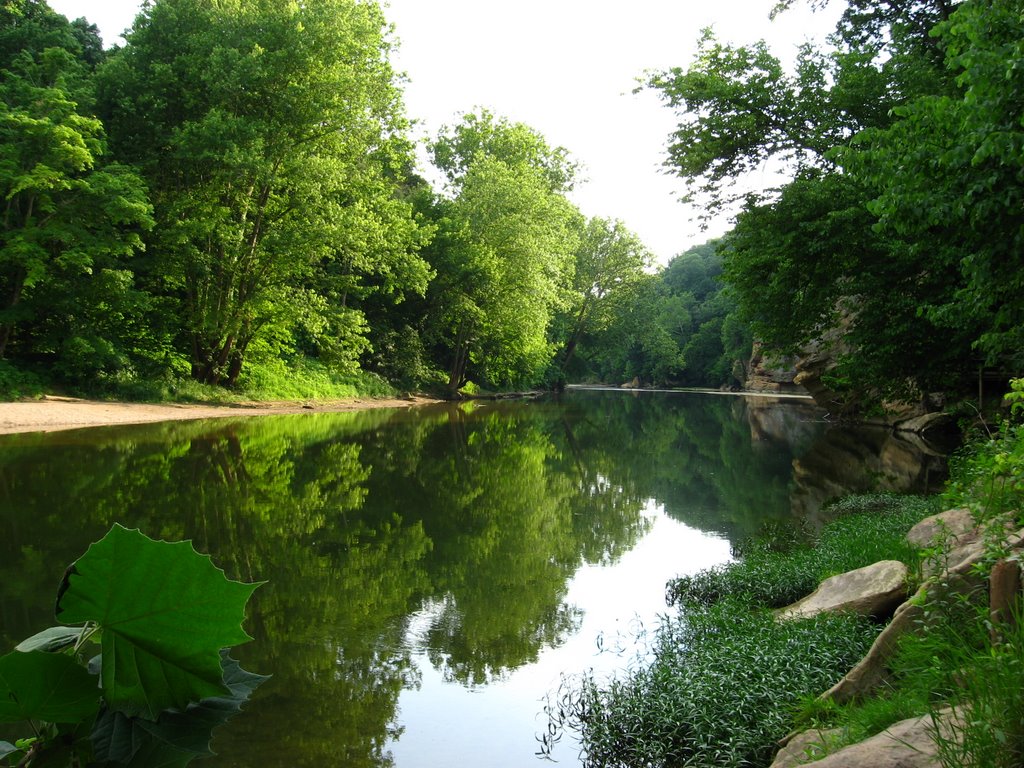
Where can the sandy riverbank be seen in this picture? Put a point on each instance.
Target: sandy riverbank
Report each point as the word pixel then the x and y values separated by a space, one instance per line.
pixel 56 413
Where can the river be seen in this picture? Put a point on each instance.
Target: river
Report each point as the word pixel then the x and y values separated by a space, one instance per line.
pixel 432 574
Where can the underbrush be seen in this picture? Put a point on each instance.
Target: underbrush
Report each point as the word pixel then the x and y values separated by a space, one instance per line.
pixel 16 383
pixel 727 679
pixel 301 380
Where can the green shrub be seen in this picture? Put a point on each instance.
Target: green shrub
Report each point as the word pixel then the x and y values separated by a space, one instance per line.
pixel 988 474
pixel 17 383
pixel 306 379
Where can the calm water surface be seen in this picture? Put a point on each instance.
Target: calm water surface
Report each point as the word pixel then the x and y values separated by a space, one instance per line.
pixel 431 573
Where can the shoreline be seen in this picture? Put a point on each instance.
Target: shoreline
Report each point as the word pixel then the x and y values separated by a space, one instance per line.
pixel 53 414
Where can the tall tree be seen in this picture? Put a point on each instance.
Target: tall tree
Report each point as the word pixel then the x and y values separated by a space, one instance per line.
pixel 504 253
pixel 609 260
pixel 271 135
pixel 877 245
pixel 949 181
pixel 71 216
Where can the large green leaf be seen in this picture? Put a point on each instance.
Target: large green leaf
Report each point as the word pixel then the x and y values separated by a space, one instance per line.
pixel 176 738
pixel 165 612
pixel 46 686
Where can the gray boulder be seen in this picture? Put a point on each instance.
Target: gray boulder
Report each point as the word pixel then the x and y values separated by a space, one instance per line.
pixel 874 590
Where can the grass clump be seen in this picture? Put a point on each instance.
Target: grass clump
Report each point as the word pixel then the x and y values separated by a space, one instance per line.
pixel 777 571
pixel 720 692
pixel 726 678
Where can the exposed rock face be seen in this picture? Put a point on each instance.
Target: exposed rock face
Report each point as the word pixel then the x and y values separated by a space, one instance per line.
pixel 874 590
pixel 907 744
pixel 770 374
pixel 810 371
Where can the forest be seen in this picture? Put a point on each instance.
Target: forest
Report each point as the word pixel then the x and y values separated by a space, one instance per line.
pixel 231 201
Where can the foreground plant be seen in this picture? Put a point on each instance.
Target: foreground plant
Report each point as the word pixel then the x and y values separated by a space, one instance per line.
pixel 163 617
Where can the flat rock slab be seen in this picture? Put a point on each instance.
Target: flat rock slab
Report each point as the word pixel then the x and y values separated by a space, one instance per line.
pixel 874 590
pixel 907 744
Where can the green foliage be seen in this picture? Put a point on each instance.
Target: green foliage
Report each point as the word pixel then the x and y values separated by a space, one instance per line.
pixel 678 327
pixel 73 217
pixel 948 176
pixel 140 605
pixel 988 473
pixel 35 685
pixel 503 255
pixel 277 199
pixel 737 108
pixel 16 383
pixel 895 245
pixel 164 616
pixel 483 134
pixel 609 264
pixel 720 691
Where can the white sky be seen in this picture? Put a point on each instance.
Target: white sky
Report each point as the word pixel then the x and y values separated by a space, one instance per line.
pixel 567 68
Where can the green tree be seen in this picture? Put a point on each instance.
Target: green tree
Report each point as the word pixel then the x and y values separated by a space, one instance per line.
pixel 863 250
pixel 71 216
pixel 271 136
pixel 948 176
pixel 609 260
pixel 503 255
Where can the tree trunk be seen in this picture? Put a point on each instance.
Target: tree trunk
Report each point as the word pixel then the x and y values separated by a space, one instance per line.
pixel 457 372
pixel 7 329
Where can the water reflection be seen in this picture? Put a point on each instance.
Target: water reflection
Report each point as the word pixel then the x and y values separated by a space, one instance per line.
pixel 431 551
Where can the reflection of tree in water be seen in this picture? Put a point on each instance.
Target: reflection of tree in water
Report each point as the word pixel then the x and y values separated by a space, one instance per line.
pixel 474 520
pixel 355 520
pixel 500 512
pixel 696 455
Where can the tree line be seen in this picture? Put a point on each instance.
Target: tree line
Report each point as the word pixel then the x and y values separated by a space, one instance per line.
pixel 231 198
pixel 898 243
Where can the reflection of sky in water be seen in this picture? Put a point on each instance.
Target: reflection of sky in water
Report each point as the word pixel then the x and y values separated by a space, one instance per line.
pixel 448 723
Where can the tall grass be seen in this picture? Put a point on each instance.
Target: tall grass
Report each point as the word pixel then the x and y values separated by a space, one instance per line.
pixel 720 692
